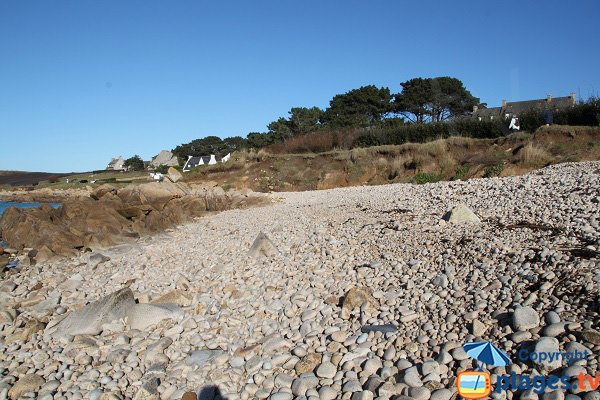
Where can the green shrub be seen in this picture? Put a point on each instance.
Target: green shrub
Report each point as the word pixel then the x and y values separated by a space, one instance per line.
pixel 419 133
pixel 493 170
pixel 366 141
pixel 461 172
pixel 585 113
pixel 162 168
pixel 427 177
pixel 134 163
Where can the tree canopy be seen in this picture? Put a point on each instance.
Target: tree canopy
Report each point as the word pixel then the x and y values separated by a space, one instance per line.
pixel 304 120
pixel 301 120
pixel 280 129
pixel 433 99
pixel 358 107
pixel 421 100
pixel 134 163
pixel 209 145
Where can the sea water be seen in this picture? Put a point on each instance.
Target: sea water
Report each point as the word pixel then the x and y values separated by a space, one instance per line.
pixel 33 204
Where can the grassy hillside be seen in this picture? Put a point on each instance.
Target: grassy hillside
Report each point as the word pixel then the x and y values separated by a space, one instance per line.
pixel 22 178
pixel 9 179
pixel 444 159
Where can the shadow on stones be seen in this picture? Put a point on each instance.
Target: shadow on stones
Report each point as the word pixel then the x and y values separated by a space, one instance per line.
pixel 503 318
pixel 211 392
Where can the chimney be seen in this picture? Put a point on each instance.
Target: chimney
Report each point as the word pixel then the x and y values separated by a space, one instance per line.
pixel 475 108
pixel 549 98
pixel 573 97
pixel 504 103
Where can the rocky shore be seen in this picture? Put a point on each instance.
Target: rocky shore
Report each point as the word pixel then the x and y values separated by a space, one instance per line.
pixel 354 293
pixel 106 216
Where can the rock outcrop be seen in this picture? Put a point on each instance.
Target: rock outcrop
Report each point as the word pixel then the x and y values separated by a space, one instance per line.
pixel 89 319
pixel 110 216
pixel 262 246
pixel 461 214
pixel 174 175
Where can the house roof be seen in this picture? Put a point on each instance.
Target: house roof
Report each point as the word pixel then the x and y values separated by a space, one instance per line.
pixel 116 160
pixel 193 162
pixel 519 107
pixel 516 107
pixel 488 112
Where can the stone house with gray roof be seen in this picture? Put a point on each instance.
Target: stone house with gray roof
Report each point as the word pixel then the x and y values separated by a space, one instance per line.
pixel 116 164
pixel 511 109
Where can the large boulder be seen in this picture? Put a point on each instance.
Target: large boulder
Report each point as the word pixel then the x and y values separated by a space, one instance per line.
pixel 103 190
pixel 36 228
pixel 26 384
pixel 165 157
pixel 174 175
pixel 141 316
pixel 89 319
pixel 354 298
pixel 94 222
pixel 460 214
pixel 156 194
pixel 262 246
pixel 216 199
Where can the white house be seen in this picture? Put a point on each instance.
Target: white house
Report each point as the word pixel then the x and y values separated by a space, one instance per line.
pixel 193 162
pixel 116 164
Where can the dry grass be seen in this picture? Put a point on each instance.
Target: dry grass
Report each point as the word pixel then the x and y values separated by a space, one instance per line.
pixel 360 153
pixel 316 142
pixel 452 158
pixel 341 155
pixel 436 148
pixel 398 166
pixel 534 156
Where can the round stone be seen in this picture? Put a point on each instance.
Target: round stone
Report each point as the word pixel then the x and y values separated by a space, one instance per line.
pixel 525 318
pixel 326 370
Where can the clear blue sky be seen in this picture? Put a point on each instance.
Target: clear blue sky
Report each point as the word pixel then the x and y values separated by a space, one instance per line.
pixel 82 81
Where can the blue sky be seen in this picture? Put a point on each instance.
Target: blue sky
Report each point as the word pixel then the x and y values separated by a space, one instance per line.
pixel 82 81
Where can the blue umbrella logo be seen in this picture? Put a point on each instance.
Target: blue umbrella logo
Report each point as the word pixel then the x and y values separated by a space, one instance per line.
pixel 486 353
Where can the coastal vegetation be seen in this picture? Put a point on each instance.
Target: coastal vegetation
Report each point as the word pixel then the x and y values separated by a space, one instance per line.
pixel 425 109
pixel 134 163
pixel 453 158
pixel 371 135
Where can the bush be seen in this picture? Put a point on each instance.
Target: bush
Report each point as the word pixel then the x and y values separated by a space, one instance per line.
pixel 366 141
pixel 317 142
pixel 426 177
pixel 586 113
pixel 420 133
pixel 134 163
pixel 461 172
pixel 162 168
pixel 494 170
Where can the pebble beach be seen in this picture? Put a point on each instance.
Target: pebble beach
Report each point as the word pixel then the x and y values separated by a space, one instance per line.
pixel 354 293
